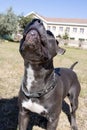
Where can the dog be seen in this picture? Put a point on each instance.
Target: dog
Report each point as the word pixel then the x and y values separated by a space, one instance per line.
pixel 43 88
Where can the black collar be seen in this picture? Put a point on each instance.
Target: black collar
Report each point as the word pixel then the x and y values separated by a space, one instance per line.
pixel 40 93
pixel 57 71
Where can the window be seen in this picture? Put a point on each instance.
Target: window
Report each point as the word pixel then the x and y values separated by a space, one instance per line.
pixel 72 38
pixel 81 30
pixel 75 30
pixel 81 39
pixel 61 29
pixel 67 29
pixel 54 28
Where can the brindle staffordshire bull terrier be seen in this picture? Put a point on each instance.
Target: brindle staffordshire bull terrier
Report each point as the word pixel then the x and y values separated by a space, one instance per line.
pixel 43 88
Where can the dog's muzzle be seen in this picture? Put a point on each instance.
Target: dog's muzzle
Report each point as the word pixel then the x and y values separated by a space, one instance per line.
pixel 32 40
pixel 32 37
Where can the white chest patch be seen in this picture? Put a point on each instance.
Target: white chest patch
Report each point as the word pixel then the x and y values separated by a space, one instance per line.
pixel 33 106
pixel 30 77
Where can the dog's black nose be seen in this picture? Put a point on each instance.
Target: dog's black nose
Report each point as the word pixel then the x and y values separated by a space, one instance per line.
pixel 40 22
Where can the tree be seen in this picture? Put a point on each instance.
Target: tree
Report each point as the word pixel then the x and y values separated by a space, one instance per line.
pixel 2 28
pixel 65 36
pixel 23 21
pixel 8 23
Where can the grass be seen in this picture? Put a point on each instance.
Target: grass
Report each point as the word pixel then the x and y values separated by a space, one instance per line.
pixel 11 68
pixel 11 71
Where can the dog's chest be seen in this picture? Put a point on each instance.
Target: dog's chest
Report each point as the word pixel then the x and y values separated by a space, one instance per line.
pixel 29 105
pixel 33 106
pixel 30 77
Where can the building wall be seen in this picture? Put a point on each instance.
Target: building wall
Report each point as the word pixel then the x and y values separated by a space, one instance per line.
pixel 74 32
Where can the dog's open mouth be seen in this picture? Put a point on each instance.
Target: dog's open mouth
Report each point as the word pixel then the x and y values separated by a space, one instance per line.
pixel 33 37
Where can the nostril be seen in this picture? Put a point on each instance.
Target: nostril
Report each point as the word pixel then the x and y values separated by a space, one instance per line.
pixel 39 21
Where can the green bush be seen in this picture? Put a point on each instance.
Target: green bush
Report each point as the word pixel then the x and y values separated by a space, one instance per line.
pixel 8 37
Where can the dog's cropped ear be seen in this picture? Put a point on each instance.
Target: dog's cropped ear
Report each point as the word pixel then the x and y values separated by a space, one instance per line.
pixel 60 51
pixel 53 45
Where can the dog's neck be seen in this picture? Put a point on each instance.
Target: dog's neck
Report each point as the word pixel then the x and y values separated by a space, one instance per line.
pixel 37 76
pixel 48 65
pixel 41 68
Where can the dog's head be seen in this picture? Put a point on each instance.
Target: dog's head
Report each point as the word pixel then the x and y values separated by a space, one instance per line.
pixel 37 45
pixel 33 44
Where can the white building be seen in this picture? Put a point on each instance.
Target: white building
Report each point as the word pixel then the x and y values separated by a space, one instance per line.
pixel 75 28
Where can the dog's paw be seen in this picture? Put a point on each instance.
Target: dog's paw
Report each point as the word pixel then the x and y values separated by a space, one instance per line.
pixel 44 113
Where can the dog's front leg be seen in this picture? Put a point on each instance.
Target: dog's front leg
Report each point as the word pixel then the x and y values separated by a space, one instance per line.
pixel 23 120
pixel 52 125
pixel 54 117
